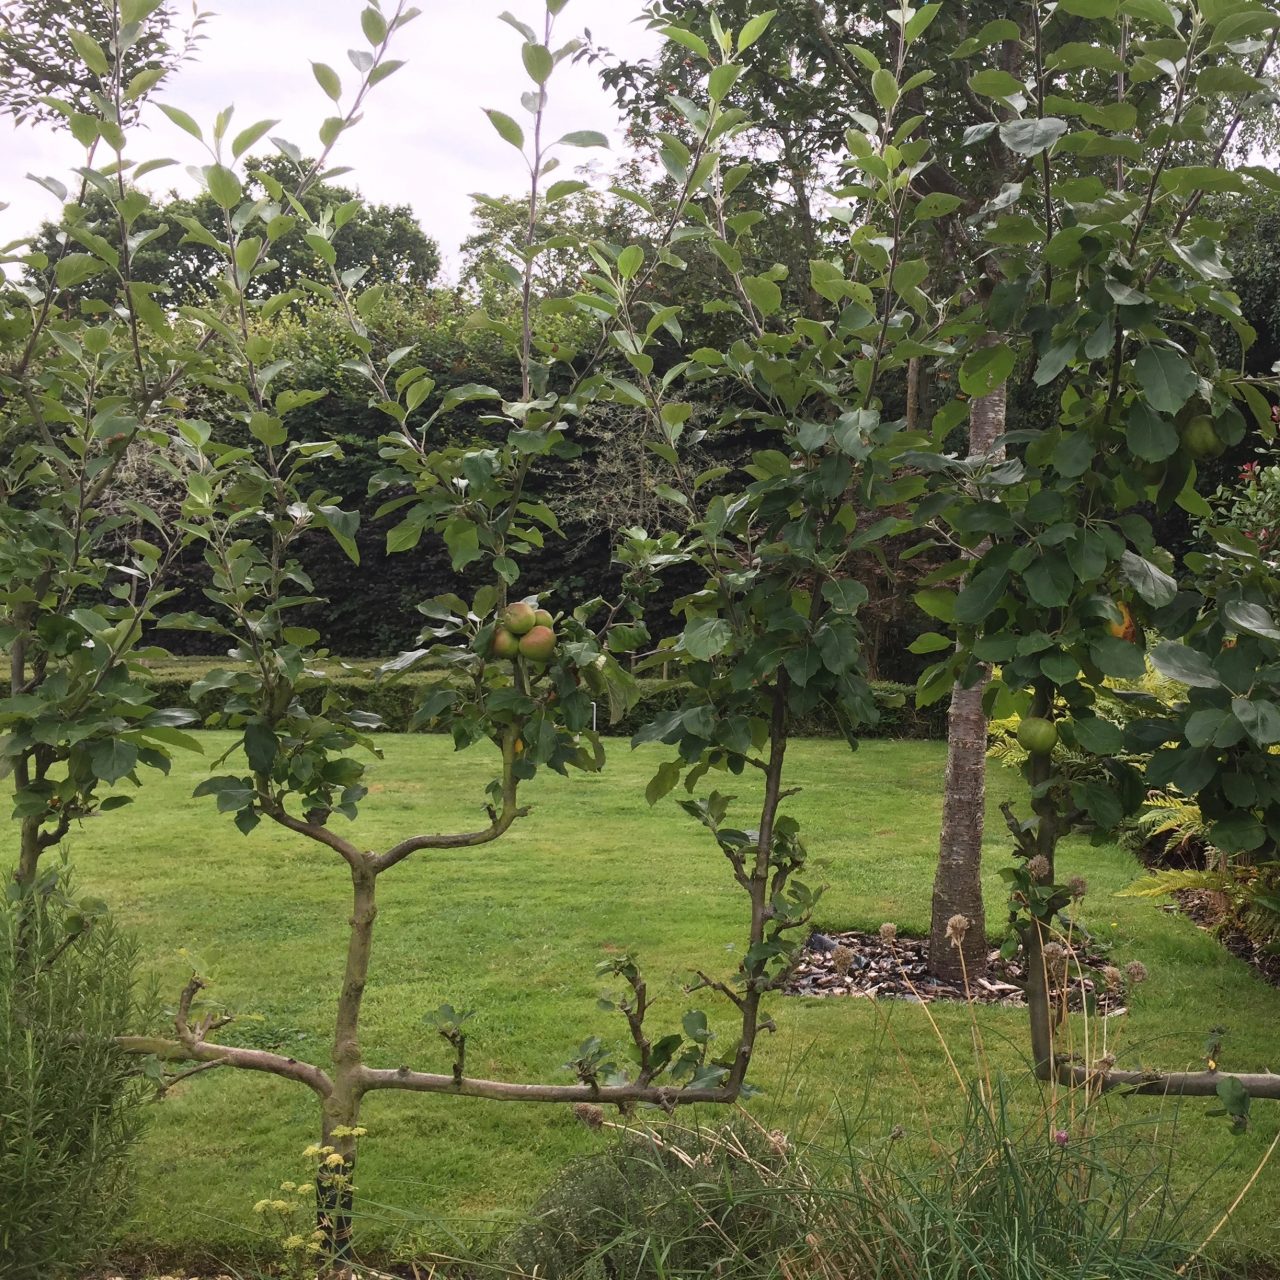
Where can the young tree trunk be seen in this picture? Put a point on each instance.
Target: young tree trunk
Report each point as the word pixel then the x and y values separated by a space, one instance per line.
pixel 957 886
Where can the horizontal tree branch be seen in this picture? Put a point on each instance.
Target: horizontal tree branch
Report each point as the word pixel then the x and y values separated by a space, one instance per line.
pixel 498 1090
pixel 225 1055
pixel 1187 1084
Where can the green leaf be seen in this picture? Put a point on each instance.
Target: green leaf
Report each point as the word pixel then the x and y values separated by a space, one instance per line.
pixel 994 83
pixel 937 602
pixel 763 292
pixel 1187 666
pixel 507 128
pixel 1150 436
pixel 986 369
pixel 663 781
pixel 1097 735
pixel 90 52
pixel 723 79
pixel 463 540
pixel 538 62
pixel 981 595
pixel 1155 586
pixel 630 260
pixel 1049 580
pixel 247 137
pixel 374 26
pixel 260 746
pixel 1259 718
pixel 1167 380
pixel 930 642
pixel 754 28
pixel 224 186
pixel 1029 137
pixel 937 204
pixel 1251 618
pixel 182 120
pixel 327 79
pixel 585 138
pixel 112 759
pixel 884 88
pixel 704 638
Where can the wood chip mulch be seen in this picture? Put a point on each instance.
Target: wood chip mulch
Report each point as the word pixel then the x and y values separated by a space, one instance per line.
pixel 898 970
pixel 1207 912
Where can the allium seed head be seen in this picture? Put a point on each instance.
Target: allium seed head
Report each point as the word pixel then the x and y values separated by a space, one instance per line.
pixel 842 960
pixel 589 1114
pixel 888 931
pixel 1112 976
pixel 957 927
pixel 1078 886
pixel 1135 971
pixel 1038 867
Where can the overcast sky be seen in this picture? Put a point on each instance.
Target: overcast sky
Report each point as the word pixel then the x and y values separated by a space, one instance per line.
pixel 423 140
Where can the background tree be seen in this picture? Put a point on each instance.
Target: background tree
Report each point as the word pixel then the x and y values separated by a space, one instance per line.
pixel 178 252
pixel 38 57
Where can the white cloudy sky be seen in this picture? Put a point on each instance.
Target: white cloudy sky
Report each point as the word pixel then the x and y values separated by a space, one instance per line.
pixel 423 140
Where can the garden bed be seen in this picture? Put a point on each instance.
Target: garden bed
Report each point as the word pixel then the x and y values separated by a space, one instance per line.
pixel 884 966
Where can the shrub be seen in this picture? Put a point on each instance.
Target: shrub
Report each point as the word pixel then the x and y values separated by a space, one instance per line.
pixel 70 1102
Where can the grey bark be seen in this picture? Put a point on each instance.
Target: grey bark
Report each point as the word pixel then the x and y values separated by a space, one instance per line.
pixel 957 886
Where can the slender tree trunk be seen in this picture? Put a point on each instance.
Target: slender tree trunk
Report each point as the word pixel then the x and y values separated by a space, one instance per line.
pixel 341 1110
pixel 957 887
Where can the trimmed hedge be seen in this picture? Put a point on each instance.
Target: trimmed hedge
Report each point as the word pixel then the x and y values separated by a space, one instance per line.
pixel 394 702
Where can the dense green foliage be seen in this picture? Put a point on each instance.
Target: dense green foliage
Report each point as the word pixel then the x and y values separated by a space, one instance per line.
pixel 71 1103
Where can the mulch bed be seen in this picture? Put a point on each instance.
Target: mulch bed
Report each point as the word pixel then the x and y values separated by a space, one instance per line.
pixel 1204 910
pixel 898 970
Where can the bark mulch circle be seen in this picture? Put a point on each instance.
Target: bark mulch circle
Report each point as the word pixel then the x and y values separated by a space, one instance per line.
pixel 898 970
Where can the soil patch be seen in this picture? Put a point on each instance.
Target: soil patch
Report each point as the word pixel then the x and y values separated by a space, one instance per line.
pixel 865 964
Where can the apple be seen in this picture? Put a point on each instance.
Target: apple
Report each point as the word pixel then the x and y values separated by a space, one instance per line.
pixel 505 645
pixel 542 618
pixel 1037 735
pixel 1200 439
pixel 539 644
pixel 519 618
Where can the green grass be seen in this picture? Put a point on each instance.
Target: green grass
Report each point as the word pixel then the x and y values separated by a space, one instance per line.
pixel 515 930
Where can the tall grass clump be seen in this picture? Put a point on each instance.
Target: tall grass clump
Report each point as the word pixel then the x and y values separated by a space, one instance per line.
pixel 70 1102
pixel 1004 1201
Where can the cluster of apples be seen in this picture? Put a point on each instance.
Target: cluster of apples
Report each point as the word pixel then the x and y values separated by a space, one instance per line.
pixel 524 631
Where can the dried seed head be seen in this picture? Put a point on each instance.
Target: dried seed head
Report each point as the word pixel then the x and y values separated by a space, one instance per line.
pixel 1135 971
pixel 1078 886
pixel 957 927
pixel 897 1133
pixel 842 960
pixel 888 931
pixel 1112 976
pixel 779 1141
pixel 1038 867
pixel 590 1115
pixel 1106 1062
pixel 1055 961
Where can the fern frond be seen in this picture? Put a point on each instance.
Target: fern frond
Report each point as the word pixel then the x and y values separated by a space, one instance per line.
pixel 1162 883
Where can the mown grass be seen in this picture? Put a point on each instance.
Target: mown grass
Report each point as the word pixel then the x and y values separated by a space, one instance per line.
pixel 514 931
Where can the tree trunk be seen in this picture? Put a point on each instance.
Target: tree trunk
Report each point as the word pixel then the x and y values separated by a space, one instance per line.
pixel 957 887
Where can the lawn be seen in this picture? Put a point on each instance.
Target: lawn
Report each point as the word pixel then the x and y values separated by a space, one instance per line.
pixel 514 931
